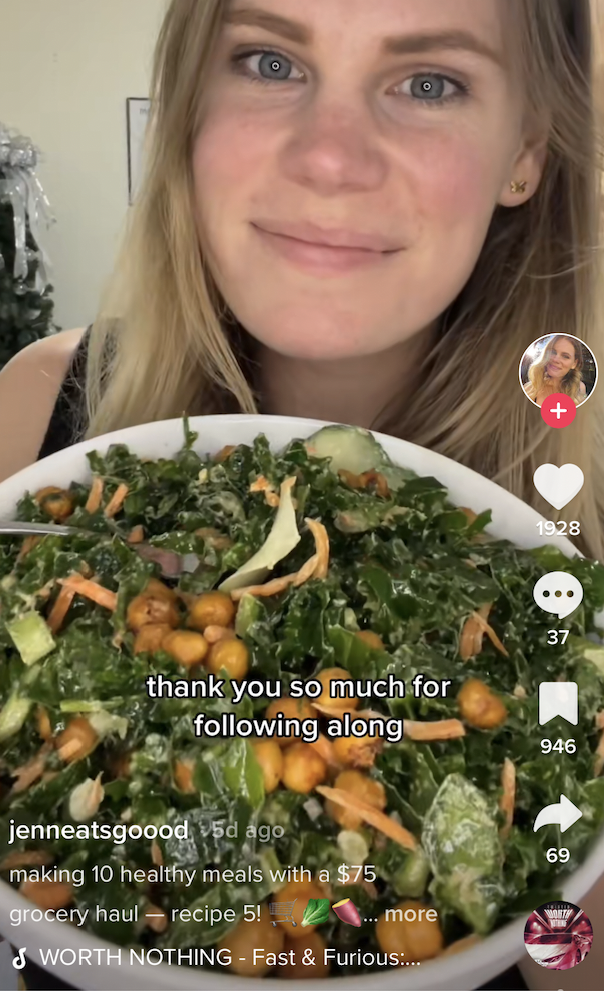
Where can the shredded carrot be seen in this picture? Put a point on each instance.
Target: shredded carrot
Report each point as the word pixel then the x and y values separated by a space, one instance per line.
pixel 470 642
pixel 60 609
pixel 117 501
pixel 31 771
pixel 322 547
pixel 137 535
pixel 91 590
pixel 93 503
pixel 441 729
pixel 306 571
pixel 469 514
pixel 362 481
pixel 508 797
pixel 69 749
pixel 377 819
pixel 262 484
pixel 490 632
pixel 274 587
pixel 26 858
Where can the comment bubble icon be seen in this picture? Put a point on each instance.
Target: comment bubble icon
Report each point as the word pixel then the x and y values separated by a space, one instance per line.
pixel 558 593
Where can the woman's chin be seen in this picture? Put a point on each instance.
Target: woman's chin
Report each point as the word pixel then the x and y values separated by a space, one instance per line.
pixel 304 346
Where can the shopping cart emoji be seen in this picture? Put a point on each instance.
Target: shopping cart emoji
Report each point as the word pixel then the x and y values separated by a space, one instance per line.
pixel 282 908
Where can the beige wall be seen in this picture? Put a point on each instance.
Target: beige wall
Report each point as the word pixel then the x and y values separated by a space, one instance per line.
pixel 66 70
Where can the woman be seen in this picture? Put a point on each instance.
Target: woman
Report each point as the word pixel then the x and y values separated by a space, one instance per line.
pixel 348 214
pixel 558 369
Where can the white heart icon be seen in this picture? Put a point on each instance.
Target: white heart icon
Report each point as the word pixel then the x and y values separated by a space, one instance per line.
pixel 558 485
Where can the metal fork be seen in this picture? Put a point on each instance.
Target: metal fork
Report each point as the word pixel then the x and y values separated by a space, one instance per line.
pixel 171 564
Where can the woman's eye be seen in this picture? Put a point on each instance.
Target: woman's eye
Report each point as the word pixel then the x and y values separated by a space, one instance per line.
pixel 265 66
pixel 431 87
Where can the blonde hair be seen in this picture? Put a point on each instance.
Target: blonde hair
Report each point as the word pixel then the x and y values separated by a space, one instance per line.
pixel 164 341
pixel 570 384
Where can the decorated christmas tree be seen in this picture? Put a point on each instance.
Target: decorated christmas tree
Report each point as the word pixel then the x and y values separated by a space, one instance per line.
pixel 26 305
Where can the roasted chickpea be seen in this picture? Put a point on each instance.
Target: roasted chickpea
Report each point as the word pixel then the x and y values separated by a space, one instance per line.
pixel 157 589
pixel 291 709
pixel 57 503
pixel 270 757
pixel 371 639
pixel 186 647
pixel 183 776
pixel 298 971
pixel 299 892
pixel 247 936
pixel 335 674
pixel 77 740
pixel 480 706
pixel 151 637
pixel 211 609
pixel 418 937
pixel 153 607
pixel 232 655
pixel 303 768
pixel 361 786
pixel 48 894
pixel 353 751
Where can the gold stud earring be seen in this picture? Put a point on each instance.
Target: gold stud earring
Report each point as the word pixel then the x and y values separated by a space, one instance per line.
pixel 518 187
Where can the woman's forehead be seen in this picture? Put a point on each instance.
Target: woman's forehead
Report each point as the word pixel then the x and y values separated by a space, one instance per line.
pixel 380 21
pixel 564 344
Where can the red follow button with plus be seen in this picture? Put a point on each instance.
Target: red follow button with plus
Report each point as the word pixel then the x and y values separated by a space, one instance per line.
pixel 558 410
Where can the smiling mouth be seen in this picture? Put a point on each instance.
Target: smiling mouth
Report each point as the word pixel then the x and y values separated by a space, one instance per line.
pixel 325 252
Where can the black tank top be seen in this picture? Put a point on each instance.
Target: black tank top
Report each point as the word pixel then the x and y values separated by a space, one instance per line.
pixel 67 422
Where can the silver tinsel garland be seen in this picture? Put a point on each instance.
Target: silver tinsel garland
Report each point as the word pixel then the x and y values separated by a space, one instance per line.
pixel 20 186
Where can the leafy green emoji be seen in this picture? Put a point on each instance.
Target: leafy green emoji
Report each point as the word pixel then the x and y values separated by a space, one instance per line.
pixel 316 912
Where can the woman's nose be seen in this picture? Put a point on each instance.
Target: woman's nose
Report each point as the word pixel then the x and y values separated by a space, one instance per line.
pixel 333 149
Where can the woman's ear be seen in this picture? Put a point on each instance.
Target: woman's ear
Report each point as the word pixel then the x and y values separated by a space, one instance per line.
pixel 525 173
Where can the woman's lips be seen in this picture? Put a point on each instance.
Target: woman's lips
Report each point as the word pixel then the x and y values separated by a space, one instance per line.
pixel 322 258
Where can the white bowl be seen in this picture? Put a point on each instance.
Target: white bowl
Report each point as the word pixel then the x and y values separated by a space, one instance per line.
pixel 512 520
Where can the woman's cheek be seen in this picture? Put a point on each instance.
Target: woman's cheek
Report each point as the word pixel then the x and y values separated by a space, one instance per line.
pixel 454 181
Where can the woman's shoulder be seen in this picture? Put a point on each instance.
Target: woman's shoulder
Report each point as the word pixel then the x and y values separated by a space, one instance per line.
pixel 29 387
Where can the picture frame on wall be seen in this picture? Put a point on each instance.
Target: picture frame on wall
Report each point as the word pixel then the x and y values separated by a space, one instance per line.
pixel 138 110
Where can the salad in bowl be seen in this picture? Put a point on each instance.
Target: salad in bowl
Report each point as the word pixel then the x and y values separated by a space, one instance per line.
pixel 268 701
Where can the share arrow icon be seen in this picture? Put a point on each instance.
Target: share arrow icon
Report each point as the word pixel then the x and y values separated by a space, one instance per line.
pixel 565 815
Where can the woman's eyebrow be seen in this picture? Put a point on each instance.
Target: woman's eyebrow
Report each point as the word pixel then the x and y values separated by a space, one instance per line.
pixel 409 44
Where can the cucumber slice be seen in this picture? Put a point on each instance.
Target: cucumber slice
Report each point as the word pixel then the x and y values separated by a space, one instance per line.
pixel 280 542
pixel 13 715
pixel 351 448
pixel 31 637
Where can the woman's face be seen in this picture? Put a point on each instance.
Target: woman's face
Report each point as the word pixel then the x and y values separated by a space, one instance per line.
pixel 350 160
pixel 562 358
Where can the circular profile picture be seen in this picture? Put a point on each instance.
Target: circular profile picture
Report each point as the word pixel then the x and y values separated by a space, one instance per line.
pixel 558 364
pixel 558 935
